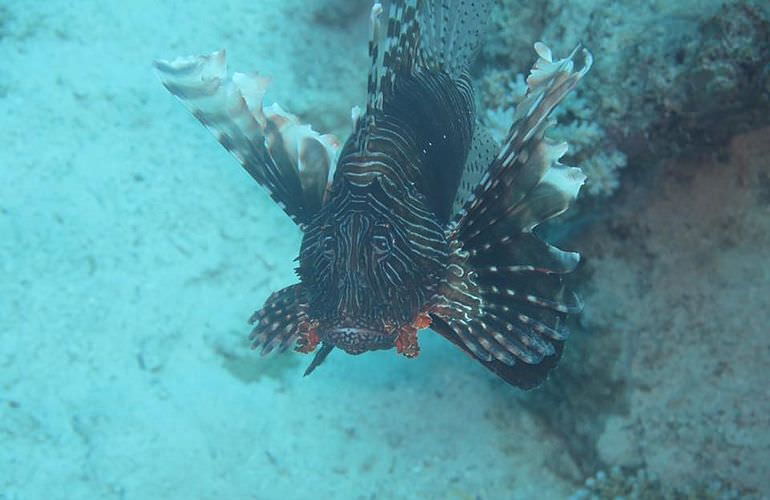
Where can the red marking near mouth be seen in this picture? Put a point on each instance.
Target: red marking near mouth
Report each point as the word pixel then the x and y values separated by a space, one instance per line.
pixel 422 321
pixel 308 339
pixel 406 342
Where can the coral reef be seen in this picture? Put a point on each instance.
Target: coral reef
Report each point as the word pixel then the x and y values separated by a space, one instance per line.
pixel 640 485
pixel 709 83
pixel 662 388
pixel 640 392
pixel 665 374
pixel 665 82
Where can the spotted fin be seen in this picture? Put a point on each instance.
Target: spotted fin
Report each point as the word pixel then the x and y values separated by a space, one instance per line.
pixel 513 305
pixel 480 156
pixel 441 36
pixel 294 162
pixel 451 33
pixel 280 323
pixel 522 375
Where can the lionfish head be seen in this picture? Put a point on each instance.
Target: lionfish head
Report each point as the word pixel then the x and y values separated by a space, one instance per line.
pixel 367 270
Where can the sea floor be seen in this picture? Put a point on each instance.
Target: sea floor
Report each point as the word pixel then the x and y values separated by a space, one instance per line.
pixel 133 249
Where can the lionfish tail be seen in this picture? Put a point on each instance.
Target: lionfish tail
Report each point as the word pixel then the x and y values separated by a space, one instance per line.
pixel 506 303
pixel 289 158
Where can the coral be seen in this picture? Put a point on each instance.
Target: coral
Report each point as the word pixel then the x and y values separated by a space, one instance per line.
pixel 602 171
pixel 502 89
pixel 587 140
pixel 500 95
pixel 641 485
pixel 654 382
pixel 669 78
pixel 699 88
pixel 515 24
pixel 498 121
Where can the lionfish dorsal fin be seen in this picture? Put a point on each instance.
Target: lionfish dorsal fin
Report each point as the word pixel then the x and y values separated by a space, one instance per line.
pixel 420 99
pixel 440 35
pixel 451 32
pixel 481 154
pixel 392 49
pixel 289 158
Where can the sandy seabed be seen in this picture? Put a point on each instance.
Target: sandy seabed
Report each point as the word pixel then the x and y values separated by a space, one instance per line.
pixel 133 249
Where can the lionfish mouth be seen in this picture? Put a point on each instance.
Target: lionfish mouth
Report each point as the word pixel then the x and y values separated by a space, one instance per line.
pixel 358 340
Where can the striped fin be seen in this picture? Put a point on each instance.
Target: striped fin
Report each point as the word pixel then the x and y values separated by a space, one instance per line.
pixel 514 323
pixel 395 54
pixel 506 305
pixel 496 358
pixel 527 165
pixel 441 36
pixel 420 118
pixel 289 158
pixel 279 324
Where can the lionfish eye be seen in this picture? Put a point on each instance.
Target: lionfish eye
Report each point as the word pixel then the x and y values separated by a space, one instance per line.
pixel 327 245
pixel 382 239
pixel 381 244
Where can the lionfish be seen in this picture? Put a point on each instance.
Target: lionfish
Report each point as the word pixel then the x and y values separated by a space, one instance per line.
pixel 420 219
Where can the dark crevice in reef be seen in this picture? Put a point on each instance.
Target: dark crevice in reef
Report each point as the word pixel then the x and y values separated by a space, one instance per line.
pixel 577 399
pixel 723 88
pixel 666 85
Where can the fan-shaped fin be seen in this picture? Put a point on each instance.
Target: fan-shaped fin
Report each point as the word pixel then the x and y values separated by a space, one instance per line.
pixel 280 322
pixel 289 158
pixel 509 368
pixel 514 304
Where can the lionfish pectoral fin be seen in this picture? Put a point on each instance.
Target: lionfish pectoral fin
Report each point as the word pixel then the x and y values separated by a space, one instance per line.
pixel 319 358
pixel 282 322
pixel 508 304
pixel 290 159
pixel 519 374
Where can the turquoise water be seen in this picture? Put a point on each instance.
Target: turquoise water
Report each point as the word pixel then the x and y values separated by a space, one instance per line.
pixel 133 249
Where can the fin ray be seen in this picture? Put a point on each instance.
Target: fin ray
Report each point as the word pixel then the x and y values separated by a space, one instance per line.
pixel 290 159
pixel 277 325
pixel 519 373
pixel 518 299
pixel 418 87
pixel 452 31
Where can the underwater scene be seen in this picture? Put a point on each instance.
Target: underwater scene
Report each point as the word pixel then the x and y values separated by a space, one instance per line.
pixel 397 249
